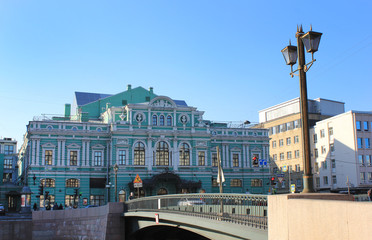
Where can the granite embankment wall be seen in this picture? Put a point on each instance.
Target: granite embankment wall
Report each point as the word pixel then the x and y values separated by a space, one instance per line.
pixel 15 229
pixel 87 223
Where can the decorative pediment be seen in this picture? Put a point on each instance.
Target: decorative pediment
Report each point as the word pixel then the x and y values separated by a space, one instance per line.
pixel 98 146
pixel 73 145
pixel 256 149
pixel 201 143
pixel 48 145
pixel 163 102
pixel 235 149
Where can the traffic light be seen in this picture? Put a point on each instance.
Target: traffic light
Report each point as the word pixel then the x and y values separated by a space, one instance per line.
pixel 46 195
pixel 41 190
pixel 255 161
pixel 273 181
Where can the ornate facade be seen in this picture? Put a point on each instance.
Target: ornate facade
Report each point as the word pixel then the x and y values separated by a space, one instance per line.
pixel 165 141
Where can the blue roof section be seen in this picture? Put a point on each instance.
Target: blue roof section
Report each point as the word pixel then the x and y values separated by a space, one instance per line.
pixel 83 98
pixel 180 103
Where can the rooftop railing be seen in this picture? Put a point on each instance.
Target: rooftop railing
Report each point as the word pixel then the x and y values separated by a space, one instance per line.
pixel 245 209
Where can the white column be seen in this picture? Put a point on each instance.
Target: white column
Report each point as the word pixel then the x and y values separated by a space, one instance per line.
pixel 244 157
pixel 38 153
pixel 176 155
pixel 33 153
pixel 63 153
pixel 130 116
pixel 58 153
pixel 87 154
pixel 83 154
pixel 149 155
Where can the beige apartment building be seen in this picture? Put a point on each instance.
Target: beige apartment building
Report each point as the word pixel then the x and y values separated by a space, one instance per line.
pixel 286 150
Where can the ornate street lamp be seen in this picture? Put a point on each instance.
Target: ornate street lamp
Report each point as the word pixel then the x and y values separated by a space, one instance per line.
pixel 311 41
pixel 116 168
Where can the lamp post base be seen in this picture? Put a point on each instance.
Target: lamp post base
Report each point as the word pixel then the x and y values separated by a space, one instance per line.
pixel 308 184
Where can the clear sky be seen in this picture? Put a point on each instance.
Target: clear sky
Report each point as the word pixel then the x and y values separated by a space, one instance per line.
pixel 222 57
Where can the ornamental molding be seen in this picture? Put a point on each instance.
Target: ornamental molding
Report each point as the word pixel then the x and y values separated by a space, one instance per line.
pixel 48 145
pixel 73 145
pixel 162 102
pixel 122 142
pixel 201 143
pixel 236 149
pixel 98 146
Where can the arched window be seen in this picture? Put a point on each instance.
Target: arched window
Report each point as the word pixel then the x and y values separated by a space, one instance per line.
pixel 72 182
pixel 162 154
pixel 184 154
pixel 154 120
pixel 49 182
pixel 169 120
pixel 139 154
pixel 161 120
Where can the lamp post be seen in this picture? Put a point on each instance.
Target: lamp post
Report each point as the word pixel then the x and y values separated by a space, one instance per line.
pixel 311 41
pixel 116 168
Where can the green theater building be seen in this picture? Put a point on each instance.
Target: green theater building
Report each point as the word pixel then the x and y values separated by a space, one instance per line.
pixel 93 153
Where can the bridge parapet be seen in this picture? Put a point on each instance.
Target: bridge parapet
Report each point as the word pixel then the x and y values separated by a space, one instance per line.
pixel 246 209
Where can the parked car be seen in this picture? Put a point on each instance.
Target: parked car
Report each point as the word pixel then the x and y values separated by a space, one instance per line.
pixel 90 206
pixel 2 209
pixel 190 202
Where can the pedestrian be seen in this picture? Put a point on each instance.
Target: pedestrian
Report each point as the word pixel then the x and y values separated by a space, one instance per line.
pixel 35 207
pixel 369 193
pixel 55 206
pixel 60 207
pixel 247 191
pixel 131 196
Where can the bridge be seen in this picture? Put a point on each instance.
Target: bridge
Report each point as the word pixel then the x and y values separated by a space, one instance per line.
pixel 197 216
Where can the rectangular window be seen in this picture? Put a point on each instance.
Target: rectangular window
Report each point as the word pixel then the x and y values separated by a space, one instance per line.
pixel 367 143
pixel 365 124
pixel 315 138
pixel 362 177
pixel 289 155
pixel 358 125
pixel 8 149
pixel 330 131
pixel 256 182
pixel 235 160
pixel 73 158
pixel 280 142
pixel 317 182
pixel 360 143
pixel 296 139
pixel 274 144
pixel 296 123
pixel 361 160
pixel 275 157
pixel 283 128
pixel 288 140
pixel 298 168
pixel 201 158
pixel 297 153
pixel 235 183
pixel 281 156
pixel 332 148
pixel 214 160
pixel 324 164
pixel 316 167
pixel 325 180
pixel 97 158
pixel 7 177
pixel 324 150
pixel 97 200
pixel 334 180
pixel 333 163
pixel 122 157
pixel 48 157
pixel 322 133
pixel 8 163
pixel 316 154
pixel 370 176
pixel 368 160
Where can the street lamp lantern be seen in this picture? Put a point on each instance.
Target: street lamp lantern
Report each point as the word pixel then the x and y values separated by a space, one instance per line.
pixel 311 41
pixel 290 54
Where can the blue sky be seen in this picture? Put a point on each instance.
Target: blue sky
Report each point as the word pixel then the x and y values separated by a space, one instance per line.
pixel 222 57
